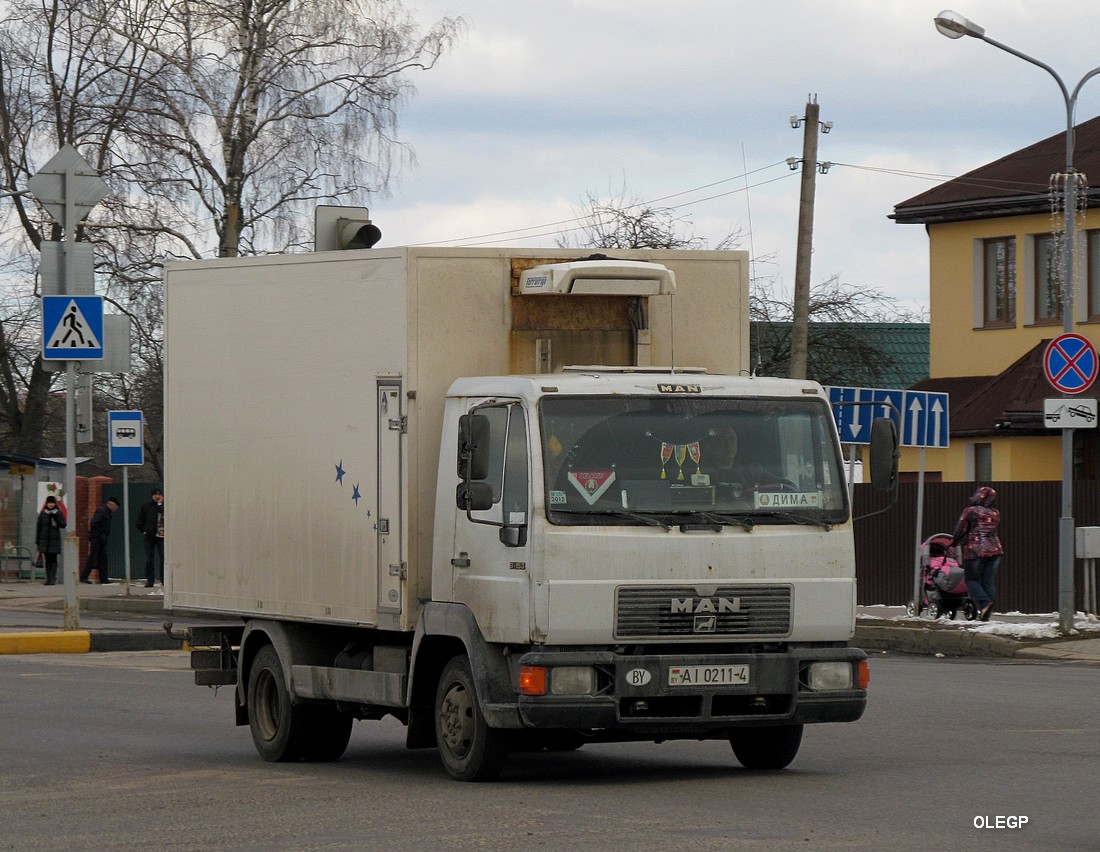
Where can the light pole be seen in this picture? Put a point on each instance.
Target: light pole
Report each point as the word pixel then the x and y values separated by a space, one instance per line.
pixel 954 25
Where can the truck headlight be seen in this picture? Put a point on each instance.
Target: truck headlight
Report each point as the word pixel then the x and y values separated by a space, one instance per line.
pixel 572 680
pixel 823 677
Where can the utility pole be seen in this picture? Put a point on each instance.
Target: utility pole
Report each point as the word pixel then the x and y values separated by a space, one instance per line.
pixel 800 330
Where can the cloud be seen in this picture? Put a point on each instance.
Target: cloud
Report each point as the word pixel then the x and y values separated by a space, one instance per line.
pixel 541 104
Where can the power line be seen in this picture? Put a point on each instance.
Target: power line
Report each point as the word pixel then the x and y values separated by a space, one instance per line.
pixel 932 176
pixel 577 223
pixel 503 236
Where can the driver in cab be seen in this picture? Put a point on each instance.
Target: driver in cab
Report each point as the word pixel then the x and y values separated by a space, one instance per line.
pixel 734 477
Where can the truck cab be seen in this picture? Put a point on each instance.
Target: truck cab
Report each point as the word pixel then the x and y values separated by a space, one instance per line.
pixel 650 553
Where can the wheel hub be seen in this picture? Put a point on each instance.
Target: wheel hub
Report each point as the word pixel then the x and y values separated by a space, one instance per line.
pixel 456 720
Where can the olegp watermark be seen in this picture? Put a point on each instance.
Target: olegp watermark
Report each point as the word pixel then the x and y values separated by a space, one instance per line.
pixel 1000 821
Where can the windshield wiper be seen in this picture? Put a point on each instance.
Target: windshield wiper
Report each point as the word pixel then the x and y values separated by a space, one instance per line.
pixel 722 520
pixel 620 513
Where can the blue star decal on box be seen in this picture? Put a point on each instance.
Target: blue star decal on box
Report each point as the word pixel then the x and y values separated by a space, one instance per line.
pixel 355 493
pixel 340 471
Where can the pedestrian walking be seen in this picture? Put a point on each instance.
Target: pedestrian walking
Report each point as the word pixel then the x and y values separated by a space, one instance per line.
pixel 982 551
pixel 150 521
pixel 99 530
pixel 51 521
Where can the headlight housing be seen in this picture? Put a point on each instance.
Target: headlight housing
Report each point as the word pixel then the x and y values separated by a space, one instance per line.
pixel 828 676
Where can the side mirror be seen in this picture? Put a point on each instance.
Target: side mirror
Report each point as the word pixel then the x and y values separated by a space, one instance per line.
pixel 474 496
pixel 473 447
pixel 885 452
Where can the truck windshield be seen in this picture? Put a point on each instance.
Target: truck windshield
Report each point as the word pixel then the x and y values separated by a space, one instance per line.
pixel 640 460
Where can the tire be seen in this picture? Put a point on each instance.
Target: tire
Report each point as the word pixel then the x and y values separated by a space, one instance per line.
pixel 277 726
pixel 911 609
pixel 326 734
pixel 469 748
pixel 970 611
pixel 767 748
pixel 934 610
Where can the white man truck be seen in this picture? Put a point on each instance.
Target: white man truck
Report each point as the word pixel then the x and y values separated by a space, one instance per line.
pixel 385 473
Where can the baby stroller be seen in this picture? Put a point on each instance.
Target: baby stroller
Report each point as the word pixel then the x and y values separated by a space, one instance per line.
pixel 943 584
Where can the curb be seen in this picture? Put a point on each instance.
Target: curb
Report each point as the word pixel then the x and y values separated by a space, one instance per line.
pixel 136 641
pixel 929 642
pixel 54 642
pixel 84 641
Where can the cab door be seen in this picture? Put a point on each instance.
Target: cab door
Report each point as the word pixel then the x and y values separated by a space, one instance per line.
pixel 491 552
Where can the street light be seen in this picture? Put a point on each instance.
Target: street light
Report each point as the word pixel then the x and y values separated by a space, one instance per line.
pixel 953 25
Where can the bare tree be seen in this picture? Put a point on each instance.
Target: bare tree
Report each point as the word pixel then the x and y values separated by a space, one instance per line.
pixel 217 126
pixel 839 352
pixel 622 223
pixel 56 86
pixel 259 107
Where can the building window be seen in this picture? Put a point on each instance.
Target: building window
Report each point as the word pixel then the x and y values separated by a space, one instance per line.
pixel 1093 239
pixel 999 282
pixel 1048 287
pixel 983 462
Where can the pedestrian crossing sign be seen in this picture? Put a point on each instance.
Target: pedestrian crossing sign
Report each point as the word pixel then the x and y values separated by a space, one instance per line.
pixel 72 328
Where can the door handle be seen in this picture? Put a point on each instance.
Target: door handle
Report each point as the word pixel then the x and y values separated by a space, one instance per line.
pixel 462 560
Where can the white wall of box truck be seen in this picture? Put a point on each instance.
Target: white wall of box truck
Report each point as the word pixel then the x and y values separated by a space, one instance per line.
pixel 389 475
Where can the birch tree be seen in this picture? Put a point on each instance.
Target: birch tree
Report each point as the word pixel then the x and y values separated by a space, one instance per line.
pixel 217 126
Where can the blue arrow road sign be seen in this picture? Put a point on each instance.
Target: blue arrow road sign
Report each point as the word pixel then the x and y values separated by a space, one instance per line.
pixel 126 445
pixel 921 418
pixel 888 404
pixel 853 413
pixel 924 420
pixel 72 328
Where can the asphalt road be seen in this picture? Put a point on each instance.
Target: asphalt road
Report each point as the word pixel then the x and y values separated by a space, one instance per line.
pixel 121 751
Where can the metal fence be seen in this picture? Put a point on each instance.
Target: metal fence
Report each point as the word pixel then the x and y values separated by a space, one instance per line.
pixel 886 544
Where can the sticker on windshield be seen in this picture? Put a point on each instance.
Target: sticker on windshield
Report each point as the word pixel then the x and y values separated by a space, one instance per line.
pixel 788 500
pixel 591 484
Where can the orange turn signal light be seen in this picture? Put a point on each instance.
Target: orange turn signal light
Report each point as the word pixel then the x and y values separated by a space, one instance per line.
pixel 864 674
pixel 532 680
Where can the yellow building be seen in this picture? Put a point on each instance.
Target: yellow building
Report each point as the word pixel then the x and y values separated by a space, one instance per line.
pixel 994 239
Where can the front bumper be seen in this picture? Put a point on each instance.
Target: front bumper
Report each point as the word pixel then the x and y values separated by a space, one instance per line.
pixel 633 694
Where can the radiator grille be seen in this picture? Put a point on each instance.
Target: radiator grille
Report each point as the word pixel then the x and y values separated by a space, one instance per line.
pixel 670 611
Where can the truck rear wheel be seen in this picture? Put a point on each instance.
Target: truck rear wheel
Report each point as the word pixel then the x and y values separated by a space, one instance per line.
pixel 470 749
pixel 767 748
pixel 276 724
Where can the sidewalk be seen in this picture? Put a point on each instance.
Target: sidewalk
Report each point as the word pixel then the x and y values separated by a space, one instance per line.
pixel 115 617
pixel 112 617
pixel 1012 635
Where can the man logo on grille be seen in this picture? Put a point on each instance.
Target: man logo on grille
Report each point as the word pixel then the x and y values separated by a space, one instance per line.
pixel 705 605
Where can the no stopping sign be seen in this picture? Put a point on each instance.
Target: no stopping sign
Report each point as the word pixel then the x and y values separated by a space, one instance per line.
pixel 1070 363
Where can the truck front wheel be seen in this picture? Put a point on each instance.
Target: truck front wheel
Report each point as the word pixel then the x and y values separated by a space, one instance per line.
pixel 470 749
pixel 767 748
pixel 276 731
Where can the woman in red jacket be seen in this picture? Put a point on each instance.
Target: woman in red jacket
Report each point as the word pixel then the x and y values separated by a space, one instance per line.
pixel 982 551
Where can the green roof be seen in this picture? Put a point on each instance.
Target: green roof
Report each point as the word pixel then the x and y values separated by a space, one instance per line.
pixel 885 355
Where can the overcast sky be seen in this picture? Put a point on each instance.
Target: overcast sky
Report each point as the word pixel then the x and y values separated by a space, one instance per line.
pixel 686 103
